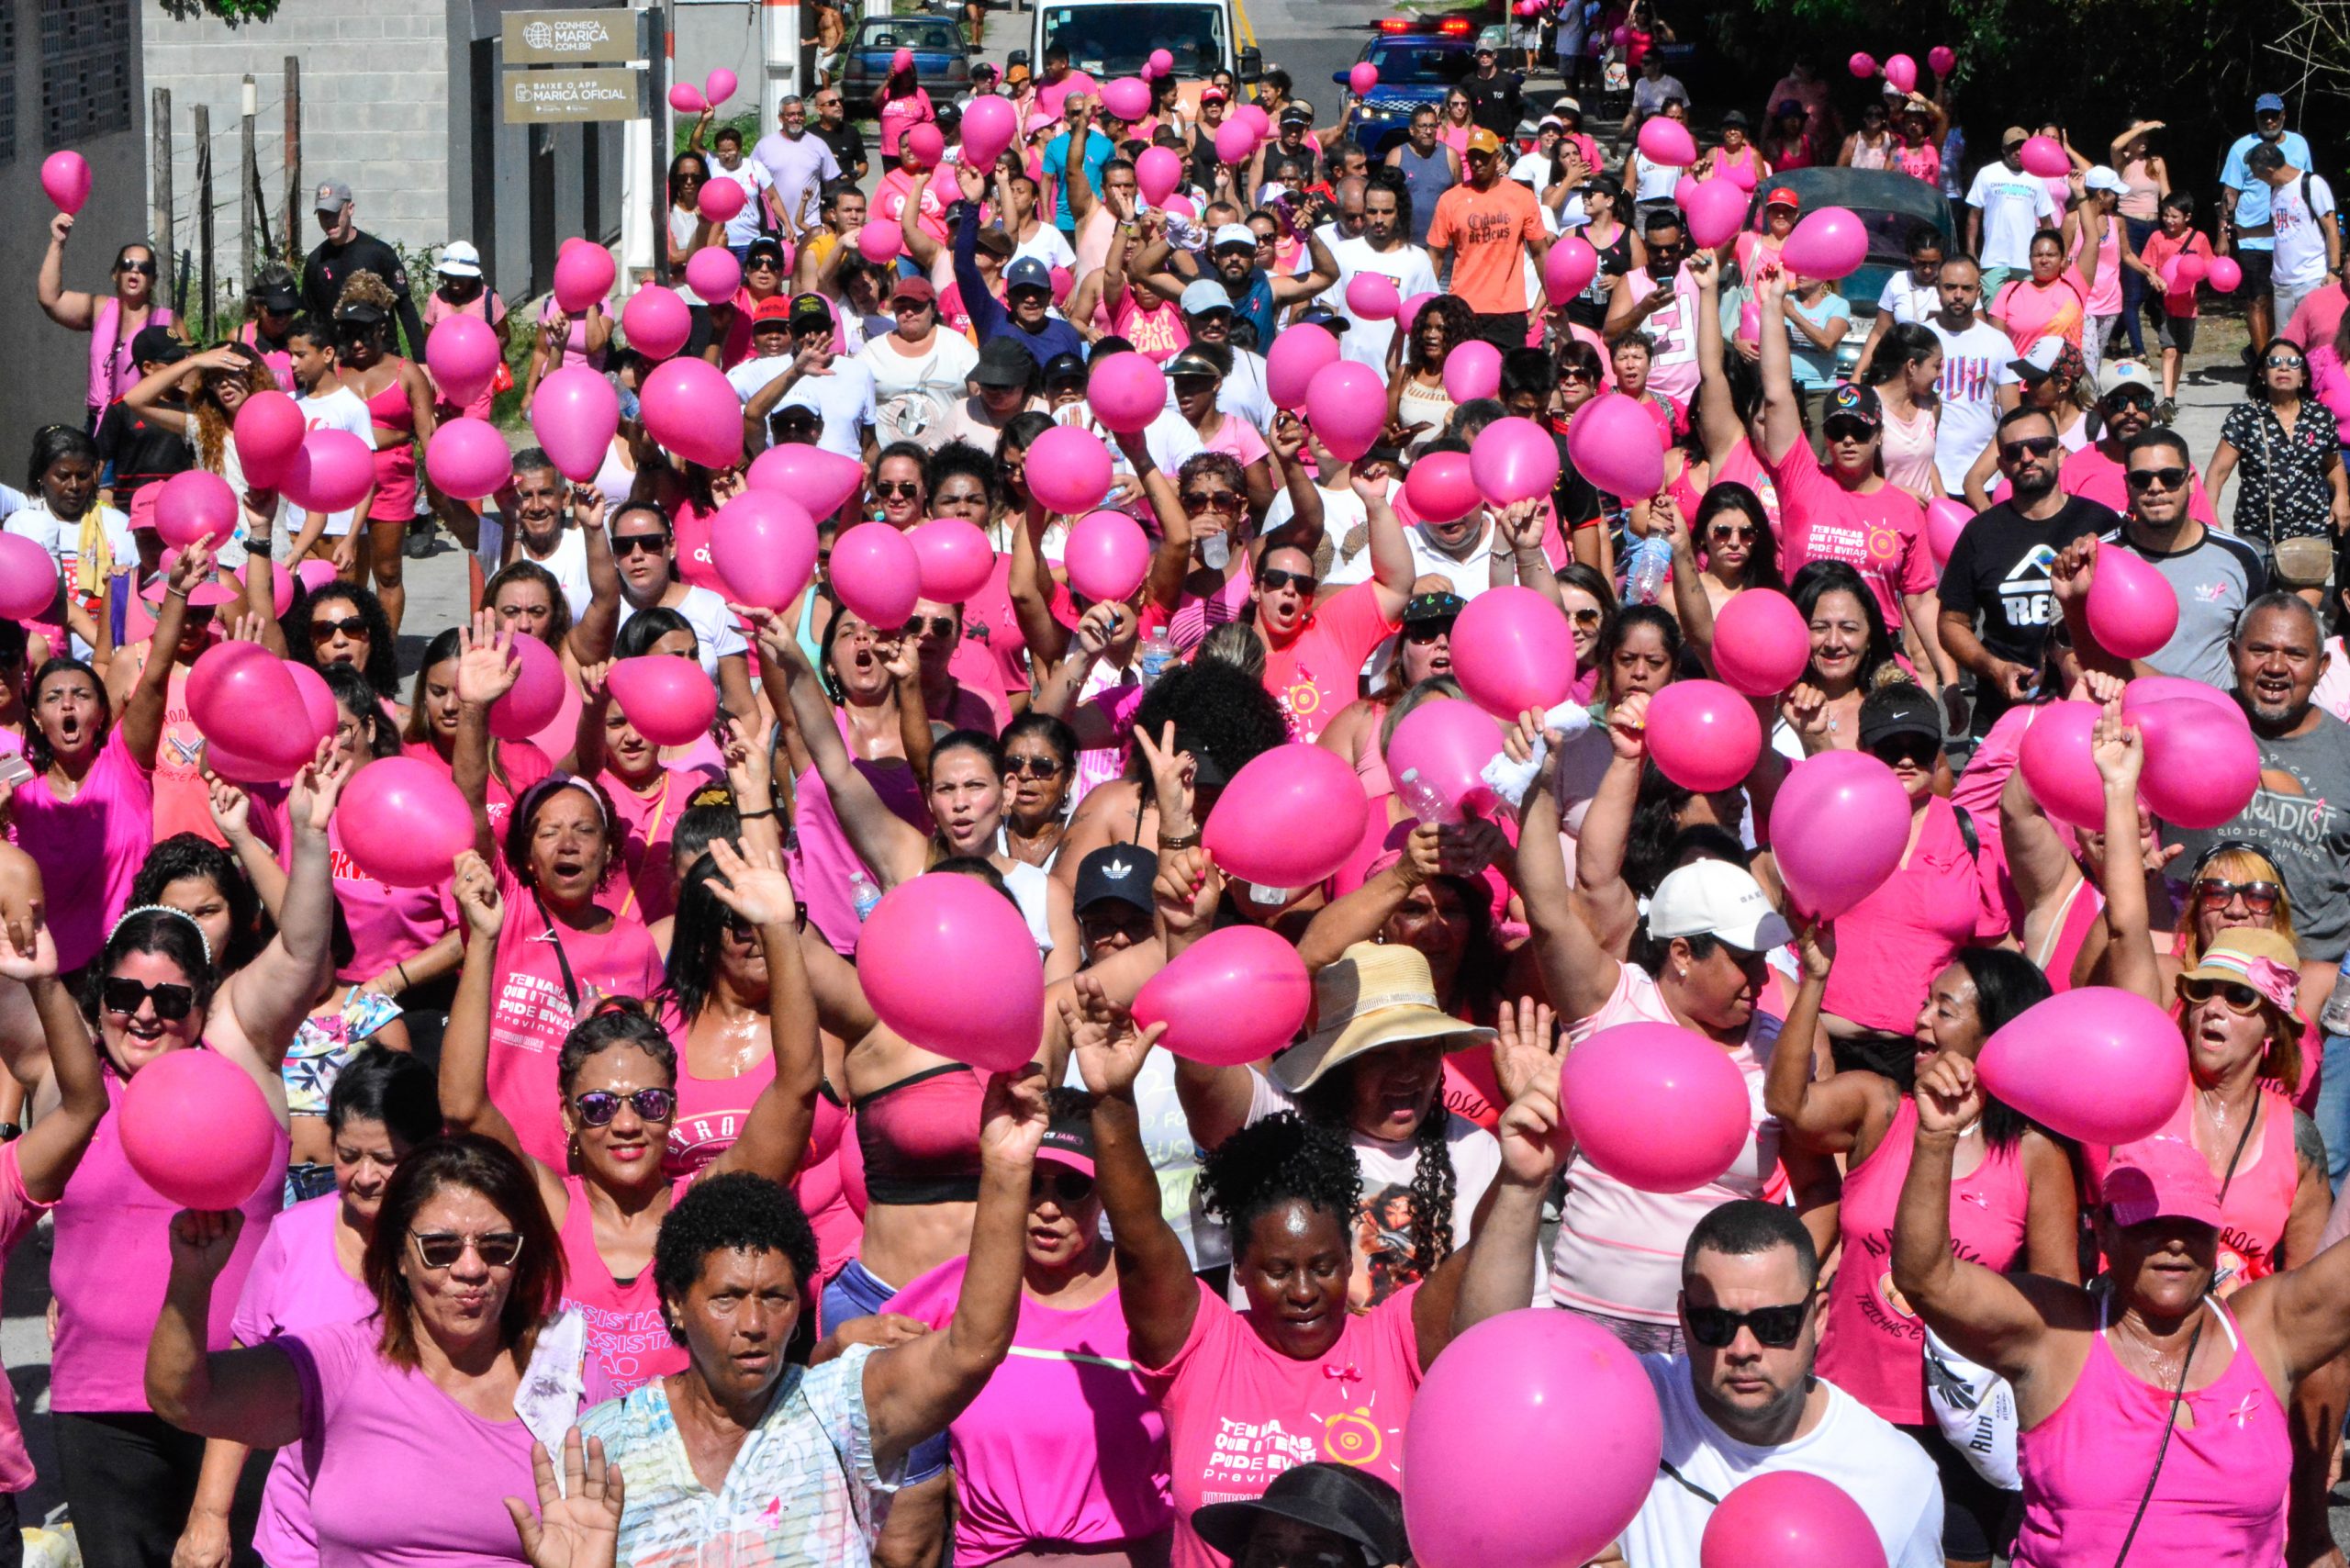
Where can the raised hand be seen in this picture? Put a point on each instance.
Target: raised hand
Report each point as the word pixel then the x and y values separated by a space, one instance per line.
pixel 486 668
pixel 1949 1097
pixel 231 808
pixel 25 965
pixel 1525 1048
pixel 1534 1137
pixel 317 786
pixel 1186 891
pixel 202 1241
pixel 1013 1116
pixel 2118 749
pixel 1816 947
pixel 192 569
pixel 577 1524
pixel 1109 1051
pixel 1804 708
pixel 1627 730
pixel 475 887
pixel 753 886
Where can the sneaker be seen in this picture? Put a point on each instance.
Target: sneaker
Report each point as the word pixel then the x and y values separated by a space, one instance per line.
pixel 2166 411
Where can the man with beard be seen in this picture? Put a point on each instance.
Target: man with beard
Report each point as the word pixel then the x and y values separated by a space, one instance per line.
pixel 1249 291
pixel 2126 410
pixel 568 541
pixel 1377 245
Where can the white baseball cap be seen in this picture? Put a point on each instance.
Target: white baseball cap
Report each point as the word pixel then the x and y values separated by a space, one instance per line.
pixel 458 259
pixel 1234 234
pixel 1713 898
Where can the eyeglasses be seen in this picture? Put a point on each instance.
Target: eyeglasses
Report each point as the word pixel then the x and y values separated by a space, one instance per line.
pixel 2239 997
pixel 1423 633
pixel 2259 898
pixel 1848 430
pixel 1273 579
pixel 1776 1326
pixel 439 1249
pixel 900 490
pixel 1226 501
pixel 937 626
pixel 351 626
pixel 599 1106
pixel 122 995
pixel 1032 768
pixel 2154 478
pixel 1060 1183
pixel 629 544
pixel 2029 446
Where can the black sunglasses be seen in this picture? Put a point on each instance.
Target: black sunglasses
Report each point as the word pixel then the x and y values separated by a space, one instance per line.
pixel 1273 578
pixel 1895 750
pixel 2130 397
pixel 1848 430
pixel 1423 633
pixel 144 269
pixel 629 544
pixel 903 489
pixel 1032 768
pixel 1064 1185
pixel 1228 501
pixel 937 625
pixel 352 626
pixel 2154 478
pixel 2029 446
pixel 599 1106
pixel 1776 1326
pixel 122 995
pixel 763 263
pixel 438 1249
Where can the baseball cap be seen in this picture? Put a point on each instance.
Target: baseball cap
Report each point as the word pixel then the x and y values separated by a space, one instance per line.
pixel 1295 112
pixel 1203 295
pixel 810 310
pixel 1898 709
pixel 2014 136
pixel 1003 363
pixel 278 296
pixel 912 289
pixel 774 308
pixel 1193 362
pixel 1119 871
pixel 1735 117
pixel 1423 608
pixel 1347 1501
pixel 1482 47
pixel 1784 195
pixel 1028 273
pixel 1484 141
pixel 332 195
pixel 765 245
pixel 1321 316
pixel 1205 768
pixel 1212 95
pixel 2102 178
pixel 155 345
pixel 2046 356
pixel 996 241
pixel 1234 234
pixel 2160 1178
pixel 1069 1140
pixel 2119 373
pixel 1852 402
pixel 1063 368
pixel 2269 103
pixel 458 259
pixel 1713 898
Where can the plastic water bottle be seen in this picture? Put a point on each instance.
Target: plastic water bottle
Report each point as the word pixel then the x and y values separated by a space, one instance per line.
pixel 1423 799
pixel 1216 551
pixel 1157 656
pixel 1646 569
pixel 2335 1019
pixel 863 894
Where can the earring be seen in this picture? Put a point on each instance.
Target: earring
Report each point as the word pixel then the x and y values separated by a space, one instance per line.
pixel 1682 973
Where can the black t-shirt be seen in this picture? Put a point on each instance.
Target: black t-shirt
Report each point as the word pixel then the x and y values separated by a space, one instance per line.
pixel 1575 498
pixel 139 451
pixel 330 266
pixel 1494 104
pixel 847 144
pixel 1998 577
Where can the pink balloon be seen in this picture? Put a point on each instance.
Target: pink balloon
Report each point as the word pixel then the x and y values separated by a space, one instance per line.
pixel 583 276
pixel 1761 643
pixel 1512 650
pixel 903 60
pixel 1162 61
pixel 1656 1106
pixel 764 548
pixel 1514 460
pixel 1862 65
pixel 719 87
pixel 575 415
pixel 1614 444
pixel 1568 270
pixel 1436 757
pixel 330 472
pixel 2132 608
pixel 468 459
pixel 268 429
pixel 1063 281
pixel 1293 360
pixel 988 127
pixel 280 599
pixel 1254 116
pixel 1410 315
pixel 1346 406
pixel 1472 370
pixel 1791 1518
pixel 1128 391
pixel 1371 297
pixel 1233 997
pixel 1547 1409
pixel 196 505
pixel 714 273
pixel 1828 242
pixel 1068 469
pixel 536 695
pixel 2192 269
pixel 1902 71
pixel 1944 519
pixel 722 198
pixel 820 480
pixel 1288 818
pixel 1941 57
pixel 2057 766
pixel 1234 140
pixel 318 697
pixel 2224 273
pixel 1838 829
pixel 403 823
pixel 875 573
pixel 195 1128
pixel 66 178
pixel 948 964
pixel 1363 78
pixel 1703 736
pixel 1126 98
pixel 656 321
pixel 29 577
pixel 2149 689
pixel 2203 764
pixel 686 99
pixel 881 240
pixel 692 410
pixel 953 559
pixel 1157 172
pixel 927 144
pixel 667 699
pixel 1664 140
pixel 2045 156
pixel 2095 1063
pixel 1440 486
pixel 314 574
pixel 463 353
pixel 1715 209
pixel 1107 556
pixel 239 695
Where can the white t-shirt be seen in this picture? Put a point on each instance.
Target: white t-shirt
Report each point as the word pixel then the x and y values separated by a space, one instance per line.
pixel 845 398
pixel 1909 300
pixel 63 542
pixel 1048 245
pixel 1972 360
pixel 1878 1466
pixel 751 378
pixel 714 635
pixel 1365 342
pixel 1169 439
pixel 568 564
pixel 2014 206
pixel 948 363
pixel 340 409
pixel 2300 230
pixel 753 176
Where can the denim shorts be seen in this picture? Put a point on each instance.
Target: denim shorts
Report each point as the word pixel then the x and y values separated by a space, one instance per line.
pixel 856 1292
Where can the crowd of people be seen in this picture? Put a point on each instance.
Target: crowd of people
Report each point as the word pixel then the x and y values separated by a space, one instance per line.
pixel 646 1185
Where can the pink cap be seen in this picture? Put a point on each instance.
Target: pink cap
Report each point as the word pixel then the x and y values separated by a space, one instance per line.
pixel 2158 1177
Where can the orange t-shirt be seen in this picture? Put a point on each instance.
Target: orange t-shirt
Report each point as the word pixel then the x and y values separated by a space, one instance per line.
pixel 1488 232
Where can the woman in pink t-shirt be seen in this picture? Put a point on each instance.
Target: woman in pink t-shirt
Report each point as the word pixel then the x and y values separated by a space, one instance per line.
pixel 900 105
pixel 616 1092
pixel 1196 374
pixel 1850 650
pixel 647 795
pixel 2047 304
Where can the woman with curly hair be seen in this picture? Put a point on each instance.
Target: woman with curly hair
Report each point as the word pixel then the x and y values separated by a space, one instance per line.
pixel 345 624
pixel 400 400
pixel 212 386
pixel 1418 404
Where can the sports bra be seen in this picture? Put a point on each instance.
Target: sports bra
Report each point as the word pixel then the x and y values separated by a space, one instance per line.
pixel 920 1137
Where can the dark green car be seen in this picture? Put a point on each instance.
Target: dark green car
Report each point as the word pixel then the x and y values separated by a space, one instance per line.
pixel 1890 204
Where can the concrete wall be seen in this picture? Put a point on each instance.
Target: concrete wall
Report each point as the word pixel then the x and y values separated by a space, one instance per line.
pixel 95 84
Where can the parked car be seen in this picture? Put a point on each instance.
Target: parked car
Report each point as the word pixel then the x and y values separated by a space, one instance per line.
pixel 1889 204
pixel 942 57
pixel 1418 63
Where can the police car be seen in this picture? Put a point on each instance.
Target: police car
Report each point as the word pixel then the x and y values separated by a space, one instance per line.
pixel 1418 62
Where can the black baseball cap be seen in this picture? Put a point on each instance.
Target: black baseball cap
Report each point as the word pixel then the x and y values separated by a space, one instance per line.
pixel 1423 608
pixel 1068 1139
pixel 809 310
pixel 1898 709
pixel 1321 316
pixel 1117 871
pixel 1064 368
pixel 1848 401
pixel 1347 1501
pixel 1205 769
pixel 155 345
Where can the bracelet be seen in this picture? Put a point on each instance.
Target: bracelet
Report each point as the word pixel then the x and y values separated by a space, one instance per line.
pixel 401 970
pixel 754 816
pixel 10 1132
pixel 1181 841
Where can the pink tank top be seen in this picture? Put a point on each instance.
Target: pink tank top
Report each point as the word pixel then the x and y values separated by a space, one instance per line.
pixel 712 1110
pixel 183 803
pixel 822 862
pixel 822 1185
pixel 628 1344
pixel 112 370
pixel 1873 1343
pixel 1739 463
pixel 2259 1198
pixel 1195 615
pixel 2219 1500
pixel 2086 904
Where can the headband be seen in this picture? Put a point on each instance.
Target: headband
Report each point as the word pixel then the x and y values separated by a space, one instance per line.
pixel 201 941
pixel 558 780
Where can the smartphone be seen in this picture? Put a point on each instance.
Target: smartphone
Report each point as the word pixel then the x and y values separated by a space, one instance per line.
pixel 14 770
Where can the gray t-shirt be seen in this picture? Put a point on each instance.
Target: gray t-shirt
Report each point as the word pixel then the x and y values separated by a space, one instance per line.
pixel 2215 577
pixel 2299 818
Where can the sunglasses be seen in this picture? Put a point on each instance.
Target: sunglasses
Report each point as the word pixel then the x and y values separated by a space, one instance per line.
pixel 1848 430
pixel 763 264
pixel 122 995
pixel 1776 1326
pixel 438 1249
pixel 2259 898
pixel 2284 362
pixel 902 489
pixel 1587 619
pixel 1226 501
pixel 2239 997
pixel 2154 478
pixel 629 544
pixel 1063 1185
pixel 1032 768
pixel 1424 632
pixel 936 625
pixel 2136 397
pixel 1895 750
pixel 599 1106
pixel 2030 446
pixel 351 626
pixel 1732 535
pixel 1273 579
pixel 144 269
pixel 1572 373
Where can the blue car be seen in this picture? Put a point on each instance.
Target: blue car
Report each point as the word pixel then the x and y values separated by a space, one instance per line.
pixel 1414 68
pixel 942 57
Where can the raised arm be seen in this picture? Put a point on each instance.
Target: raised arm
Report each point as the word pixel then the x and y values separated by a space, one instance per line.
pixel 147 395
pixel 251 1397
pixel 142 713
pixel 71 308
pixel 592 634
pixel 1601 895
pixel 2120 753
pixel 271 996
pixel 775 1135
pixel 486 670
pixel 1498 1272
pixel 894 847
pixel 1827 1115
pixel 52 1147
pixel 1717 412
pixel 1157 1291
pixel 1578 973
pixel 465 1047
pixel 1781 418
pixel 1391 568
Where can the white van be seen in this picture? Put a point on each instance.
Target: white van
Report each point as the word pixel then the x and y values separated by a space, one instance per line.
pixel 1109 38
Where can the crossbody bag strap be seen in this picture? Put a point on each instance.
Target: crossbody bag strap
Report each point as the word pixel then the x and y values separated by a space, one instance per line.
pixel 561 958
